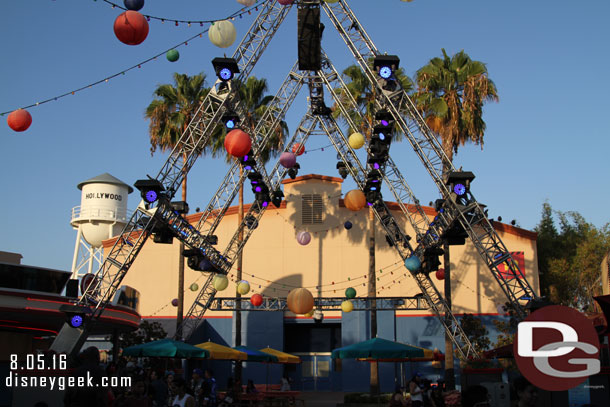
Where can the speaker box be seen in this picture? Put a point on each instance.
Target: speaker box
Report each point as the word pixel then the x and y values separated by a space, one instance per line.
pixel 310 37
pixel 72 288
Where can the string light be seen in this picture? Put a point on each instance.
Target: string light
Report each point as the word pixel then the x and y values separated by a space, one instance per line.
pixel 239 13
pixel 139 65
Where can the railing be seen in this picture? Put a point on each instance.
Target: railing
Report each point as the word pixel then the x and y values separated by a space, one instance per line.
pixel 99 213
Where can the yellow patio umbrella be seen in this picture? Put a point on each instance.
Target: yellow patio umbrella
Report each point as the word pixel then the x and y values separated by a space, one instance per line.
pixel 281 356
pixel 220 352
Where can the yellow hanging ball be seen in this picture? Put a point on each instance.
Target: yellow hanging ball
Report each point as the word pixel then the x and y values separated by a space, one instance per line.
pixel 243 287
pixel 356 141
pixel 309 314
pixel 347 306
pixel 194 287
pixel 220 282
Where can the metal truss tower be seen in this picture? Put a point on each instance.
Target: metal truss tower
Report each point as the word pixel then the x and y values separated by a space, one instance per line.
pixel 224 98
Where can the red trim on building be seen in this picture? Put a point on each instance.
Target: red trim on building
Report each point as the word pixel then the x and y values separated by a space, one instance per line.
pixel 313 176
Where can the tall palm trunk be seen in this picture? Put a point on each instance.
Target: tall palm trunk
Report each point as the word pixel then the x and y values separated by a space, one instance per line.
pixel 372 293
pixel 180 315
pixel 240 218
pixel 449 368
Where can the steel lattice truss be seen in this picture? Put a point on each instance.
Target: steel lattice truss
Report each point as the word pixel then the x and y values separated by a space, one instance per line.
pixel 416 303
pixel 224 97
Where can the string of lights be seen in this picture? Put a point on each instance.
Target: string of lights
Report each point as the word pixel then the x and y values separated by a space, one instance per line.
pixel 244 10
pixel 133 67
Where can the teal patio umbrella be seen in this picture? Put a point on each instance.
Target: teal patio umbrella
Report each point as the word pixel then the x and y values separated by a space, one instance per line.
pixel 256 355
pixel 378 349
pixel 167 348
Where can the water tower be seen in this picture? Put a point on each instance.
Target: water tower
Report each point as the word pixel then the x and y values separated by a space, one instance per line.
pixel 101 215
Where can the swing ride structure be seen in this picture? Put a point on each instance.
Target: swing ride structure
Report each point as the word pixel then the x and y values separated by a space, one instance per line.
pixel 459 215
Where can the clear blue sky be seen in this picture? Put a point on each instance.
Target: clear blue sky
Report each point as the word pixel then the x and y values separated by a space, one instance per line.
pixel 546 139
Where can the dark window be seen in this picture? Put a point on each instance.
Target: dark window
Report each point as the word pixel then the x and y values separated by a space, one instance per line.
pixel 312 209
pixel 312 337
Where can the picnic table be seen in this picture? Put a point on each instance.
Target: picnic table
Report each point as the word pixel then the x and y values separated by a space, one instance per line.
pixel 270 398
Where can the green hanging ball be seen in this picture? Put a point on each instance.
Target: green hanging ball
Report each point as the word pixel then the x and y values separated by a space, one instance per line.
pixel 172 55
pixel 350 293
pixel 194 287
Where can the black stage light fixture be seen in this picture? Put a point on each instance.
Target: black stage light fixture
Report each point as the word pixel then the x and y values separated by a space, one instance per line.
pixel 76 316
pixel 247 161
pixel 251 222
pixel 230 119
pixel 150 189
pixel 385 65
pixel 459 184
pixel 261 195
pixel 431 259
pixel 180 207
pixel 294 171
pixel 384 117
pixel 163 236
pixel 276 199
pixel 309 37
pixel 225 68
pixel 382 133
pixel 342 169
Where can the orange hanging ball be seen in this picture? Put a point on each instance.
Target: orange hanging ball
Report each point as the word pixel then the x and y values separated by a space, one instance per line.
pixel 237 143
pixel 19 120
pixel 300 301
pixel 131 27
pixel 355 200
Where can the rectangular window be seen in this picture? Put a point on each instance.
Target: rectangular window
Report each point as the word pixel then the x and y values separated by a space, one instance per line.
pixel 312 209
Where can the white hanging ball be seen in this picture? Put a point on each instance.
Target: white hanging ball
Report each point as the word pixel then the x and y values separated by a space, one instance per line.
pixel 246 3
pixel 222 33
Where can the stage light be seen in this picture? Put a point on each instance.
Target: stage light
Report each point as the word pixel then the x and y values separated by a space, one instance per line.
pixel 150 189
pixel 180 207
pixel 294 171
pixel 248 161
pixel 75 315
pixel 230 120
pixel 459 184
pixel 76 321
pixel 431 259
pixel 276 199
pixel 384 117
pixel 251 222
pixel 342 169
pixel 225 68
pixel 385 65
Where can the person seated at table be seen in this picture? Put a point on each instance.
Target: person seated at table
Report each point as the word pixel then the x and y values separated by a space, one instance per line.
pixel 250 387
pixel 285 384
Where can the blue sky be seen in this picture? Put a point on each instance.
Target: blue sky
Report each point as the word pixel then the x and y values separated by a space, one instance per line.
pixel 546 139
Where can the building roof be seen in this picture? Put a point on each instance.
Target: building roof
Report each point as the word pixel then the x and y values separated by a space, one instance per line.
pixel 308 177
pixel 105 178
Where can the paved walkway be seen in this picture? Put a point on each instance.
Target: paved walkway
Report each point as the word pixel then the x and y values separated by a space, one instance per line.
pixel 321 399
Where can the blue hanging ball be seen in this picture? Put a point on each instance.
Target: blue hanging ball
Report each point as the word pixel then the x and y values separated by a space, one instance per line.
pixel 134 5
pixel 412 263
pixel 205 265
pixel 348 225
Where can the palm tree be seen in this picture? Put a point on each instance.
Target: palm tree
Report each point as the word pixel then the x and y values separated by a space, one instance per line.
pixel 451 93
pixel 364 93
pixel 255 103
pixel 170 113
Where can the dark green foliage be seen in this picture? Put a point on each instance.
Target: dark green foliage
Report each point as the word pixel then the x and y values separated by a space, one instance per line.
pixel 147 332
pixel 476 332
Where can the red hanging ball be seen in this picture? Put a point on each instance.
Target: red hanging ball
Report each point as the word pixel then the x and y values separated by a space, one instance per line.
pixel 237 143
pixel 131 27
pixel 256 300
pixel 440 274
pixel 19 120
pixel 298 149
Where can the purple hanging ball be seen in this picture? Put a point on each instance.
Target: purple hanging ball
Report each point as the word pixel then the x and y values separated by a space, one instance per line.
pixel 175 302
pixel 303 238
pixel 288 160
pixel 134 5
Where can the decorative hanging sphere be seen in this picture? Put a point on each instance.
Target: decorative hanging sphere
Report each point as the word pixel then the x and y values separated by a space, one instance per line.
pixel 303 238
pixel 355 200
pixel 347 225
pixel 284 2
pixel 298 149
pixel 347 306
pixel 175 302
pixel 134 5
pixel 237 143
pixel 131 27
pixel 172 55
pixel 288 160
pixel 247 3
pixel 243 287
pixel 356 141
pixel 412 263
pixel 194 287
pixel 440 274
pixel 331 1
pixel 300 301
pixel 19 120
pixel 350 293
pixel 220 282
pixel 222 33
pixel 205 265
pixel 256 300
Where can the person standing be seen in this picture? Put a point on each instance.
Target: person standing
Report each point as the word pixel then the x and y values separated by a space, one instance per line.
pixel 527 393
pixel 182 398
pixel 417 393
